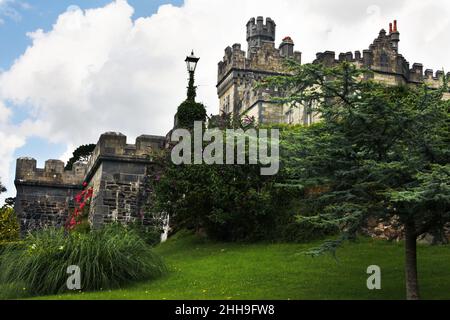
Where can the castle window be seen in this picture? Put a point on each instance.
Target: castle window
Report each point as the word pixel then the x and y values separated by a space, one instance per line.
pixel 290 116
pixel 384 60
pixel 226 105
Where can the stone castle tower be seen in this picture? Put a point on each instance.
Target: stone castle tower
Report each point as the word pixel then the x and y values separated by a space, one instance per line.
pixel 238 72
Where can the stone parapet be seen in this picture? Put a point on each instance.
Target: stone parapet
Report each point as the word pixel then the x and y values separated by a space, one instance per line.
pixel 53 173
pixel 113 145
pixel 384 60
pixel 115 171
pixel 45 195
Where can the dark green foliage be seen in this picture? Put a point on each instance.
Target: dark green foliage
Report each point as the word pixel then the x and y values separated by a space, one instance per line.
pixel 189 112
pixel 150 226
pixel 108 258
pixel 10 202
pixel 150 232
pixel 192 90
pixel 373 145
pixel 2 188
pixel 225 121
pixel 9 226
pixel 379 151
pixel 233 202
pixel 430 196
pixel 227 202
pixel 82 153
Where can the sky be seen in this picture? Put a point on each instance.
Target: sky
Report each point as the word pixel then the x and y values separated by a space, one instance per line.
pixel 71 70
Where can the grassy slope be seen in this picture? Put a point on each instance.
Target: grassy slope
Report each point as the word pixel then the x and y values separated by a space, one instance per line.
pixel 200 270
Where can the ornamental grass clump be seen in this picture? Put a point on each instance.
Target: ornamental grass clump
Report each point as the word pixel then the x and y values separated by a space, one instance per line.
pixel 108 258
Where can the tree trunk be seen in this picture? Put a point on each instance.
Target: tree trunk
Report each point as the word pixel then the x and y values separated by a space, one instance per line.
pixel 412 285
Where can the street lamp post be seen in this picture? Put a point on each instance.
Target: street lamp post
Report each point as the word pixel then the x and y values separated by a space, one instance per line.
pixel 191 63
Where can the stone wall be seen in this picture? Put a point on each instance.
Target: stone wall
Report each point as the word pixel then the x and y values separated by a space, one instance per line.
pixel 239 71
pixel 116 171
pixel 387 64
pixel 393 230
pixel 45 195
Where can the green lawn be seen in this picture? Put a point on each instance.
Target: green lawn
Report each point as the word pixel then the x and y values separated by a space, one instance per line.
pixel 205 270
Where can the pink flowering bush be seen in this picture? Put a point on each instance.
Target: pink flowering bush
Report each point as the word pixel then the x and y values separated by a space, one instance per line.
pixel 79 217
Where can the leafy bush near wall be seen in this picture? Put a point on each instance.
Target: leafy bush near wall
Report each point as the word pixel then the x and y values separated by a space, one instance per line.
pixel 226 202
pixel 9 226
pixel 151 234
pixel 79 218
pixel 189 112
pixel 235 202
pixel 301 232
pixel 108 258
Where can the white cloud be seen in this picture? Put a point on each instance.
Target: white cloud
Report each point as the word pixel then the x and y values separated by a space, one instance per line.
pixel 7 9
pixel 98 70
pixel 5 113
pixel 9 143
pixel 68 153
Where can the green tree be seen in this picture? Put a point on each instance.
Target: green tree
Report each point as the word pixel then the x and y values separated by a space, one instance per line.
pixel 379 151
pixel 9 226
pixel 82 153
pixel 10 202
pixel 2 188
pixel 227 202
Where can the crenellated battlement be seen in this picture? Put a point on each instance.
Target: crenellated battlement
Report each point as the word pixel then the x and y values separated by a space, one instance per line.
pixel 434 79
pixel 114 145
pixel 52 173
pixel 115 172
pixel 259 32
pixel 388 65
pixel 262 55
pixel 109 145
pixel 238 72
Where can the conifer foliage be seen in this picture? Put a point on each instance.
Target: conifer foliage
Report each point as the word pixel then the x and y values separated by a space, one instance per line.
pixel 379 151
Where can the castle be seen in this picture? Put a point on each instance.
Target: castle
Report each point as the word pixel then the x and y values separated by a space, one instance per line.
pixel 240 71
pixel 117 171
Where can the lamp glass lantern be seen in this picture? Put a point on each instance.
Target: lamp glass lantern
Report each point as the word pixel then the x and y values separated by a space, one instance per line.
pixel 191 62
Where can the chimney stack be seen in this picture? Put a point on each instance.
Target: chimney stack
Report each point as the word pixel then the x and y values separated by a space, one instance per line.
pixel 395 36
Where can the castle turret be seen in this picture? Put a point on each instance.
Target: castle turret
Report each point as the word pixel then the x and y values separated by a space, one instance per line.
pixel 258 32
pixel 287 47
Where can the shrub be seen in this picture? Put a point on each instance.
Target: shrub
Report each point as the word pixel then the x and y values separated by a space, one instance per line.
pixel 108 258
pixel 9 227
pixel 189 112
pixel 79 218
pixel 227 203
pixel 151 234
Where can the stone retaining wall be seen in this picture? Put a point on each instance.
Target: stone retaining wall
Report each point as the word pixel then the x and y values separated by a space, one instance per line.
pixel 116 171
